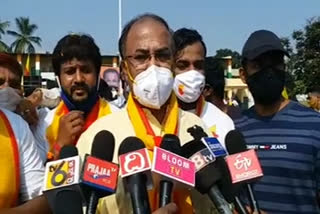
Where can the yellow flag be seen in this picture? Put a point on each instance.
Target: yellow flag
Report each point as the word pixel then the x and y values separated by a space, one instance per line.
pixel 285 94
pixel 27 68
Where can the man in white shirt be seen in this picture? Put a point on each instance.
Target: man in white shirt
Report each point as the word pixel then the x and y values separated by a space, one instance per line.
pixel 189 82
pixel 20 163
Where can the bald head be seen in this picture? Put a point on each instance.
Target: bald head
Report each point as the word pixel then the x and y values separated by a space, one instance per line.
pixel 143 22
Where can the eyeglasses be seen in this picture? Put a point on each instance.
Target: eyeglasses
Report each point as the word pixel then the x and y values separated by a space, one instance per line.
pixel 140 60
pixel 13 83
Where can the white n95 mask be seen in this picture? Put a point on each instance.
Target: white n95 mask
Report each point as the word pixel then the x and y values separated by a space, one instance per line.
pixel 189 85
pixel 153 87
pixel 9 98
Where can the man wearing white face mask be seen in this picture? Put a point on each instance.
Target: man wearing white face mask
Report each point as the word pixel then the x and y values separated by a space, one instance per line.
pixel 146 47
pixel 21 168
pixel 189 82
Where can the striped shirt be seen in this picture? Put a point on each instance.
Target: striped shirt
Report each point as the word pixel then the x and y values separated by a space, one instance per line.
pixel 288 146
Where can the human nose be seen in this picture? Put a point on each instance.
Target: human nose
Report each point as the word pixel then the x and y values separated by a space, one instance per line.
pixel 79 76
pixel 153 60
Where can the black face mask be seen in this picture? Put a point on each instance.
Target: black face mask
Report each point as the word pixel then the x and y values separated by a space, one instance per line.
pixel 266 85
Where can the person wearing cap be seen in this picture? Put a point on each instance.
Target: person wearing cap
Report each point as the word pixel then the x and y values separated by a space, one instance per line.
pixel 284 133
pixel 189 82
pixel 21 168
pixel 76 60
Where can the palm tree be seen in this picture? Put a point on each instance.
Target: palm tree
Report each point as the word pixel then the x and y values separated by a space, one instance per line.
pixel 25 40
pixel 3 26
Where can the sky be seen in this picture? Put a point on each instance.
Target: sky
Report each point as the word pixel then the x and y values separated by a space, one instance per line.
pixel 222 24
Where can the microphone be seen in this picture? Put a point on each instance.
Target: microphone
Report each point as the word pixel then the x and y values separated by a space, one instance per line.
pixel 99 175
pixel 61 182
pixel 168 161
pixel 135 168
pixel 243 164
pixel 208 174
pixel 230 191
pixel 197 132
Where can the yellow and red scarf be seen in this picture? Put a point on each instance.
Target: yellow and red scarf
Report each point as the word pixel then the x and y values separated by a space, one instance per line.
pixel 101 108
pixel 9 165
pixel 144 131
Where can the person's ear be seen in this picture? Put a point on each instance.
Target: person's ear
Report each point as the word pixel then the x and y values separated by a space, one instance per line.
pixel 207 92
pixel 243 75
pixel 124 71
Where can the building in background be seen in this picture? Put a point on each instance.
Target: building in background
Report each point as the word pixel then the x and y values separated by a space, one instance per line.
pixel 38 71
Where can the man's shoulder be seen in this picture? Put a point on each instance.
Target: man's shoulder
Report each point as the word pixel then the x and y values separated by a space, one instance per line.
pixel 188 119
pixel 216 114
pixel 14 119
pixel 114 119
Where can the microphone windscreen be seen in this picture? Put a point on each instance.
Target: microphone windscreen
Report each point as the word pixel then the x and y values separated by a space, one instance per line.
pixel 191 148
pixel 197 132
pixel 208 175
pixel 68 151
pixel 103 146
pixel 68 202
pixel 235 142
pixel 228 190
pixel 171 143
pixel 130 144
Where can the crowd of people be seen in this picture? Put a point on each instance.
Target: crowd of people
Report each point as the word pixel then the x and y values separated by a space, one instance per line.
pixel 167 89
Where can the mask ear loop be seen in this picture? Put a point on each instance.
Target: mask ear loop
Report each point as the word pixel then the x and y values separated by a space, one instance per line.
pixel 130 78
pixel 58 82
pixel 128 72
pixel 98 82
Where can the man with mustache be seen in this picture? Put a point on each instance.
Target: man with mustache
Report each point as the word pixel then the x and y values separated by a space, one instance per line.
pixel 76 61
pixel 147 49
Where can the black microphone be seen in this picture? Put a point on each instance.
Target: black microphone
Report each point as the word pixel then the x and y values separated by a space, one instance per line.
pixel 208 174
pixel 135 182
pixel 68 201
pixel 102 149
pixel 197 132
pixel 230 191
pixel 235 143
pixel 65 199
pixel 170 143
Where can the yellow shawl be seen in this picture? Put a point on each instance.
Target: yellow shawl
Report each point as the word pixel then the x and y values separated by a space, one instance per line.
pixel 9 165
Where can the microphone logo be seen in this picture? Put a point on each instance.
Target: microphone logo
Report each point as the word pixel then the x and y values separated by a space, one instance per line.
pixel 134 162
pixel 100 173
pixel 242 163
pixel 244 166
pixel 61 173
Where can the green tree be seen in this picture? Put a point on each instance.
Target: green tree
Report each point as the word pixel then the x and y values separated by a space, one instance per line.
pixel 236 57
pixel 3 26
pixel 305 61
pixel 24 38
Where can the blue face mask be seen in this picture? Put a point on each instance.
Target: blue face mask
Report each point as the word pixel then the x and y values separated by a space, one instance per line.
pixel 84 106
